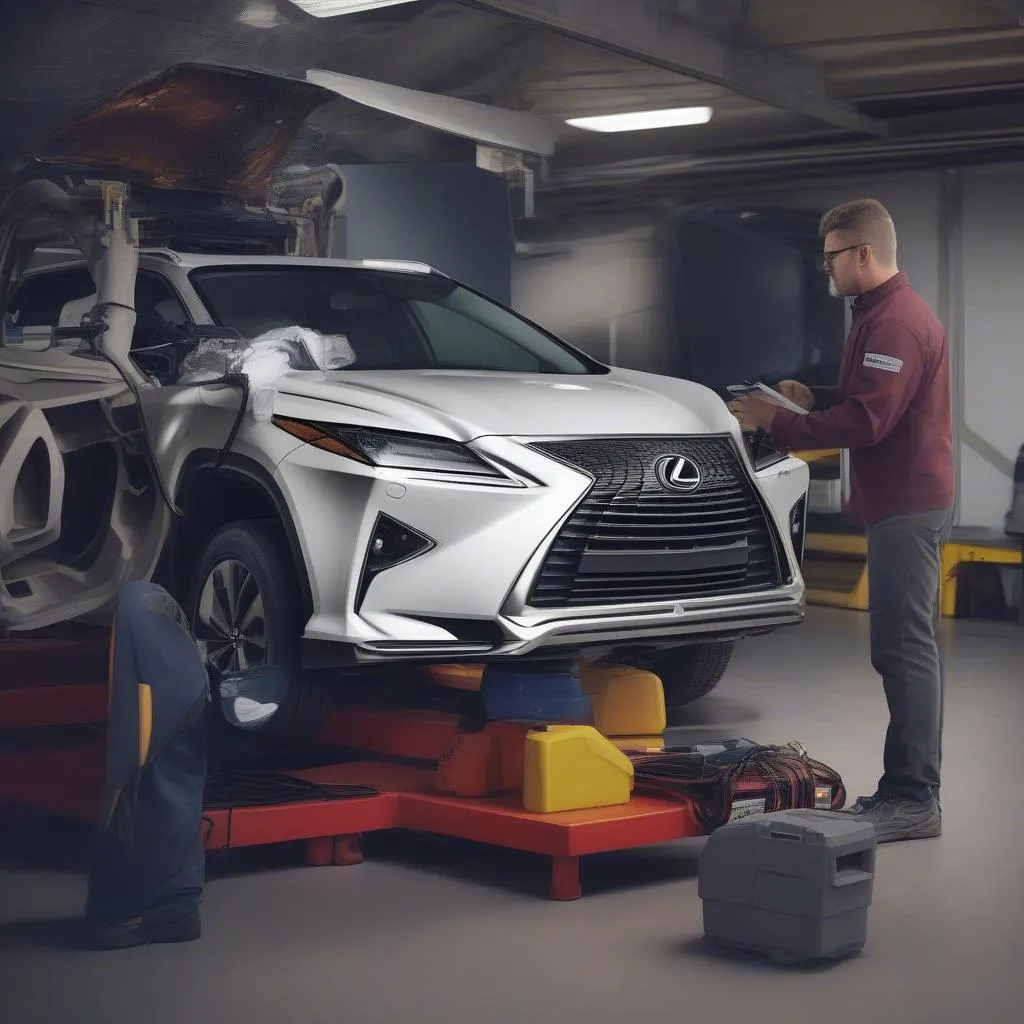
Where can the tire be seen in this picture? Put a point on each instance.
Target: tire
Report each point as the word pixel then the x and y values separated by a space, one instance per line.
pixel 689 673
pixel 256 552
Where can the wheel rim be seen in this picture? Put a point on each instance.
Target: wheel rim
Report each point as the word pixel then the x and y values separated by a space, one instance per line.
pixel 231 630
pixel 231 624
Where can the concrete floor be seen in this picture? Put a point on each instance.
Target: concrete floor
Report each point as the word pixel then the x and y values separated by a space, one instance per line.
pixel 437 931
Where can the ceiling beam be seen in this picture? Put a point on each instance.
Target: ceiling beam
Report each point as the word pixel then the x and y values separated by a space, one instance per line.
pixel 666 39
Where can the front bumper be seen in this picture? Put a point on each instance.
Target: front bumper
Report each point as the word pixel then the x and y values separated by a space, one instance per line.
pixel 466 598
pixel 658 627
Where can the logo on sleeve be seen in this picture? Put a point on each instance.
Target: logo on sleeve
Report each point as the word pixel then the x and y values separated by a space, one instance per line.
pixel 880 362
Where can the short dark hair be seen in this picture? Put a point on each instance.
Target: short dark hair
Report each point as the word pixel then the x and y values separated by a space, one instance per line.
pixel 869 221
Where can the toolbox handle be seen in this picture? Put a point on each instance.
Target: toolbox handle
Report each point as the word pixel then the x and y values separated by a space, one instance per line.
pixel 850 868
pixel 851 877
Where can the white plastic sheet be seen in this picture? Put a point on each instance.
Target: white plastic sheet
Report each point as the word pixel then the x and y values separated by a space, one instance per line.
pixel 265 360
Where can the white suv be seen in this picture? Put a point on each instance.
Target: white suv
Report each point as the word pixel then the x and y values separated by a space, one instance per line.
pixel 341 466
pixel 462 486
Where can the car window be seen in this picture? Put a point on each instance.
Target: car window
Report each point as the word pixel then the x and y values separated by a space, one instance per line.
pixel 50 299
pixel 62 297
pixel 390 320
pixel 157 307
pixel 456 340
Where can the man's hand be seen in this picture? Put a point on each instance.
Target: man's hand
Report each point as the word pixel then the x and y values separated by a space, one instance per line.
pixel 797 393
pixel 753 413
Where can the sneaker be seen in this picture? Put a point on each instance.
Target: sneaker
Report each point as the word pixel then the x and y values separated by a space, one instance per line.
pixel 142 930
pixel 864 804
pixel 895 820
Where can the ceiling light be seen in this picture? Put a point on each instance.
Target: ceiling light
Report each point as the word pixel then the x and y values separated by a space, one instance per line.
pixel 332 8
pixel 642 120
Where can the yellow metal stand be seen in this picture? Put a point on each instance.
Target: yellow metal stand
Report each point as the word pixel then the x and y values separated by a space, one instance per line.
pixel 851 546
pixel 955 555
pixel 847 547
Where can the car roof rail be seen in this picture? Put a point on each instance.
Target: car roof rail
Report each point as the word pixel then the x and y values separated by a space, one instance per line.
pixel 161 253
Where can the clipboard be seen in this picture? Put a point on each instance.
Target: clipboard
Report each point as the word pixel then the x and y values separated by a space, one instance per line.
pixel 764 392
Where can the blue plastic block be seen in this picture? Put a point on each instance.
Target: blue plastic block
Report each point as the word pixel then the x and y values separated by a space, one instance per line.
pixel 543 692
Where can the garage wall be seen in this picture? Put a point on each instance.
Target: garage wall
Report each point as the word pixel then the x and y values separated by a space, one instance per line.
pixel 914 200
pixel 454 217
pixel 601 293
pixel 962 244
pixel 992 370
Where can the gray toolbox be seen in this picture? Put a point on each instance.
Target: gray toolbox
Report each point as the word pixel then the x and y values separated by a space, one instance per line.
pixel 795 885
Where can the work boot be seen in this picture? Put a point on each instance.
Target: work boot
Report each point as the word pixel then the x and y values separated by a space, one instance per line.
pixel 895 819
pixel 159 927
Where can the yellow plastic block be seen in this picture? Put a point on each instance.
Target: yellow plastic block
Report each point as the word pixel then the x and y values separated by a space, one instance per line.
pixel 573 767
pixel 456 677
pixel 627 701
pixel 643 744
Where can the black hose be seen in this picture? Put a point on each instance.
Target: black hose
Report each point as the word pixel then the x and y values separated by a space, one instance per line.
pixel 239 380
pixel 238 788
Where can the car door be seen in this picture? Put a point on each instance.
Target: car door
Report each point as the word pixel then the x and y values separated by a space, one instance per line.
pixel 78 492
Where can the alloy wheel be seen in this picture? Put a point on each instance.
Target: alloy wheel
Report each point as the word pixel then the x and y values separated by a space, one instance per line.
pixel 231 624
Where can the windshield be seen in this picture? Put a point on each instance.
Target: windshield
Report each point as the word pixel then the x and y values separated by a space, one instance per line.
pixel 391 320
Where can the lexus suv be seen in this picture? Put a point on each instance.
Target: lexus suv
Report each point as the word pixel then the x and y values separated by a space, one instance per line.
pixel 338 466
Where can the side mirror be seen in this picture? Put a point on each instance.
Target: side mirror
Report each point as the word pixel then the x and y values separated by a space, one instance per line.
pixel 28 339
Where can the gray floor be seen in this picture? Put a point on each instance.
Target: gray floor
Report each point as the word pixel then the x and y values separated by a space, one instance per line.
pixel 434 931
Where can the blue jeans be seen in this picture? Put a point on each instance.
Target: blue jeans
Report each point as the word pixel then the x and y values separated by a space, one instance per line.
pixel 904 554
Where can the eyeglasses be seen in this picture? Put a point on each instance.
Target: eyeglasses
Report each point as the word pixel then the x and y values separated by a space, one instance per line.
pixel 828 257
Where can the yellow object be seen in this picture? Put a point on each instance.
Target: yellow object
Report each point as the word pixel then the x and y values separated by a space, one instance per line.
pixel 955 554
pixel 644 744
pixel 145 721
pixel 816 455
pixel 837 543
pixel 841 583
pixel 456 677
pixel 573 767
pixel 627 701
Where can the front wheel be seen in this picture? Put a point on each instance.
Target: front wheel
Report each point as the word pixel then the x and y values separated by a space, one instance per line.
pixel 689 673
pixel 245 613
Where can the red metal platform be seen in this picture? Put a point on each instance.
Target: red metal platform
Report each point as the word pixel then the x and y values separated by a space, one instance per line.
pixel 40 685
pixel 67 782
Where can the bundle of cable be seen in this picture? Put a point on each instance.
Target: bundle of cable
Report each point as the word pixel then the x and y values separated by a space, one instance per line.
pixel 712 776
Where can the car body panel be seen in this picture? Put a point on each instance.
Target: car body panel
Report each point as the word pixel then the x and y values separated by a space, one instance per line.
pixel 621 402
pixel 195 127
pixel 489 536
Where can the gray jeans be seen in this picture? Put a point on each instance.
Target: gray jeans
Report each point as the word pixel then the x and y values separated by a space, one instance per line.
pixel 903 583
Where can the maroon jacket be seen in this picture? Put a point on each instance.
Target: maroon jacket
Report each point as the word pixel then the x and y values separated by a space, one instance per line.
pixel 892 407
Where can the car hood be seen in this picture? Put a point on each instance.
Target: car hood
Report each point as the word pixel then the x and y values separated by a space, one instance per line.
pixel 463 405
pixel 192 127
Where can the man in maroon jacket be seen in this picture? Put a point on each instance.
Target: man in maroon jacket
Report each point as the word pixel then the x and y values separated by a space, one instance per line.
pixel 892 408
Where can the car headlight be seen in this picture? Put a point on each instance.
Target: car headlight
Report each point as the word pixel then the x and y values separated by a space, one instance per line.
pixel 386 449
pixel 762 455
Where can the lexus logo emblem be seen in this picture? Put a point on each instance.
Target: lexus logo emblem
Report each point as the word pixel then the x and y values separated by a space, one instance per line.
pixel 678 473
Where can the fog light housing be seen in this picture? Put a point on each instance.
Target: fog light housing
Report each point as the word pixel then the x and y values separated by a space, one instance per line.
pixel 391 543
pixel 798 528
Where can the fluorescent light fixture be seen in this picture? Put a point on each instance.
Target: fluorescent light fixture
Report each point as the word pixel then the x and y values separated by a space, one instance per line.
pixel 642 120
pixel 332 8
